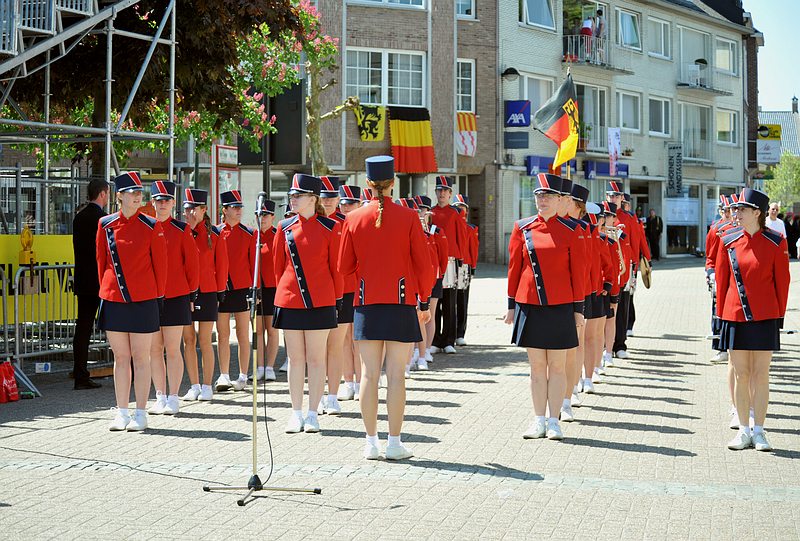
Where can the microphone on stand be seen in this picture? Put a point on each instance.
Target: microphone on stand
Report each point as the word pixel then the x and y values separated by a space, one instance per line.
pixel 260 201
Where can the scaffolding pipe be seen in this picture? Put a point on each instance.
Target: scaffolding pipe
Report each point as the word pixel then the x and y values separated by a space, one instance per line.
pixel 171 92
pixel 47 141
pixel 109 51
pixel 19 198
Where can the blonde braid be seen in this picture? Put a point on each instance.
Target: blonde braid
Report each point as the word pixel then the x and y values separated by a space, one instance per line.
pixel 378 186
pixel 207 221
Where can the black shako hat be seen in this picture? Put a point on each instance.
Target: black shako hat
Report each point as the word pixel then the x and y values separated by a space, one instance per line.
pixel 302 183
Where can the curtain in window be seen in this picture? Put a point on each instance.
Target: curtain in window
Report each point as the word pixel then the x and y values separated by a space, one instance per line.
pixel 630 30
pixel 539 12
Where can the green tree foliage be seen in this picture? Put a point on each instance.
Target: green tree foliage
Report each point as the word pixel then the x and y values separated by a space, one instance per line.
pixel 785 184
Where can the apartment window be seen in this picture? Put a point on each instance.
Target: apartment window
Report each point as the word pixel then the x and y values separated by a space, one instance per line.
pixel 658 40
pixel 696 131
pixel 726 59
pixel 537 13
pixel 465 86
pixel 628 29
pixel 535 90
pixel 629 111
pixel 726 127
pixel 413 3
pixel 386 78
pixel 465 8
pixel 592 107
pixel 660 112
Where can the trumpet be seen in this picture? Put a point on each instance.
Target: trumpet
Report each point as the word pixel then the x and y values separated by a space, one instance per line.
pixel 615 233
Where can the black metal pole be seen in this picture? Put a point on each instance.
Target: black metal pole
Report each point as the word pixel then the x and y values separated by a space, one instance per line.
pixel 266 183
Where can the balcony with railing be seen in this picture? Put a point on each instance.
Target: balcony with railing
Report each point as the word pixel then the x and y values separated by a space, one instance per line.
pixel 700 77
pixel 37 16
pixel 592 138
pixel 596 53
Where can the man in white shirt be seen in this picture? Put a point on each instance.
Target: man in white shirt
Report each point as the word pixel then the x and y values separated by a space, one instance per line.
pixel 773 222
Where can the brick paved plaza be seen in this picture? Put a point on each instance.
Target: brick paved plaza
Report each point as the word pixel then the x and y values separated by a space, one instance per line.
pixel 646 457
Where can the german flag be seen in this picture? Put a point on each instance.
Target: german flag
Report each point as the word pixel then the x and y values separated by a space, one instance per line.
pixel 558 120
pixel 412 140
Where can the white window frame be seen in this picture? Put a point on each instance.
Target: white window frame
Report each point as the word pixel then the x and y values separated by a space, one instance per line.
pixel 382 73
pixel 735 127
pixel 620 109
pixel 711 128
pixel 471 62
pixel 472 10
pixel 666 117
pixel 638 18
pixel 385 74
pixel 524 81
pixel 732 45
pixel 666 30
pixel 401 4
pixel 526 22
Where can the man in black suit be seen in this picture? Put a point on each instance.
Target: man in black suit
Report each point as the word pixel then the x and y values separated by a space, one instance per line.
pixel 86 282
pixel 653 229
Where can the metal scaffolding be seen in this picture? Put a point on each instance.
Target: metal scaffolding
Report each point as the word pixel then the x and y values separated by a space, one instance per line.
pixel 51 29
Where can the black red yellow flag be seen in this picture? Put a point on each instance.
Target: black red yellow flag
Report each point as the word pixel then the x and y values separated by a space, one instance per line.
pixel 412 140
pixel 558 120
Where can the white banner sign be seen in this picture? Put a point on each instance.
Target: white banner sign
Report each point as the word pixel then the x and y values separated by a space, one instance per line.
pixel 614 143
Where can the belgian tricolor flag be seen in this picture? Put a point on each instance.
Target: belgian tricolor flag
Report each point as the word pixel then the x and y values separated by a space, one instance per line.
pixel 558 120
pixel 412 140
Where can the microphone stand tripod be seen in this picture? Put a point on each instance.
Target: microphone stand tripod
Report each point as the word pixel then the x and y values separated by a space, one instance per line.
pixel 255 484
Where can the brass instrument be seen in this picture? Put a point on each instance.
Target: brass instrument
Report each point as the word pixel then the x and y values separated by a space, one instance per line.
pixel 615 233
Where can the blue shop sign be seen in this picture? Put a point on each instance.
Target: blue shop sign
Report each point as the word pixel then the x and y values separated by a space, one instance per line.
pixel 515 139
pixel 518 113
pixel 541 164
pixel 593 169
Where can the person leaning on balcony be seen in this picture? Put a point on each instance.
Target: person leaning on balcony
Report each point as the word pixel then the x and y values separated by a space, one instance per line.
pixel 86 282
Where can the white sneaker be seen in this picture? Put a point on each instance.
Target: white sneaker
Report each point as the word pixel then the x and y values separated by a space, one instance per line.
pixel 173 406
pixel 575 401
pixel 734 419
pixel 311 424
pixel 720 357
pixel 428 356
pixel 398 452
pixel 259 373
pixel 461 342
pixel 600 370
pixel 239 383
pixel 537 430
pixel 294 425
pixel 333 407
pixel 414 359
pixel 554 431
pixel 449 349
pixel 356 391
pixel 596 378
pixel 608 360
pixel 422 364
pixel 193 393
pixel 120 421
pixel 588 386
pixel 566 414
pixel 160 404
pixel 206 393
pixel 760 442
pixel 346 392
pixel 223 383
pixel 740 441
pixel 138 421
pixel 622 354
pixel 323 402
pixel 284 367
pixel 269 374
pixel 629 333
pixel 371 452
pixel 434 349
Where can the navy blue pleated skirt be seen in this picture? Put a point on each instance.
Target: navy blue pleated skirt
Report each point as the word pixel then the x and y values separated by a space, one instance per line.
pixel 205 307
pixel 437 289
pixel 347 313
pixel 390 322
pixel 595 306
pixel 304 319
pixel 235 301
pixel 266 305
pixel 545 327
pixel 136 317
pixel 177 311
pixel 750 336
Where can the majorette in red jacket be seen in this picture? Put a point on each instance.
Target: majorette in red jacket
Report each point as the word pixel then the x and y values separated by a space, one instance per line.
pixel 267 257
pixel 241 249
pixel 183 259
pixel 439 240
pixel 213 260
pixel 455 229
pixel 131 258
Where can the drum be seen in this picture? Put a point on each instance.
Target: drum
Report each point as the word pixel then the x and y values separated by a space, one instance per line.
pixel 462 280
pixel 450 274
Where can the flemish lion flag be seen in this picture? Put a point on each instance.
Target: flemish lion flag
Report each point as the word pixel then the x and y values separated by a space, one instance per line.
pixel 558 120
pixel 371 121
pixel 412 140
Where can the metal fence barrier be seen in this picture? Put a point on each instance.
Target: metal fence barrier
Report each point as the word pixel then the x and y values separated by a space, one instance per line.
pixel 82 7
pixel 37 16
pixel 8 28
pixel 5 347
pixel 45 313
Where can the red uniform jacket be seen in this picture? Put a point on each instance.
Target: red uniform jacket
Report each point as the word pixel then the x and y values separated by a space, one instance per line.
pixel 439 239
pixel 595 283
pixel 713 247
pixel 267 258
pixel 585 236
pixel 609 275
pixel 392 262
pixel 473 245
pixel 306 253
pixel 350 281
pixel 455 229
pixel 183 259
pixel 131 258
pixel 213 261
pixel 630 243
pixel 752 276
pixel 241 246
pixel 619 278
pixel 545 266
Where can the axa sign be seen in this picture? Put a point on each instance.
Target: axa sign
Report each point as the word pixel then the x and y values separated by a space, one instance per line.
pixel 518 113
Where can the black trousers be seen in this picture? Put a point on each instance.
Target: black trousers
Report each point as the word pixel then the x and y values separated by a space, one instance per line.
pixel 446 319
pixel 87 312
pixel 622 321
pixel 653 244
pixel 462 301
pixel 631 314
